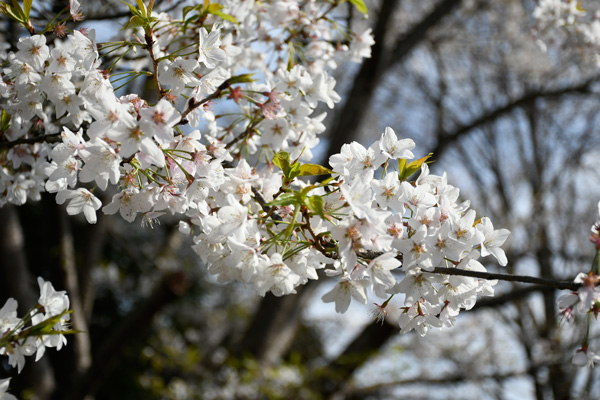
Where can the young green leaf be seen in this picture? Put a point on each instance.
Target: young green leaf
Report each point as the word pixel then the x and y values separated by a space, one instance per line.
pixel 189 9
pixel 4 121
pixel 360 6
pixel 27 7
pixel 284 199
pixel 224 16
pixel 282 160
pixel 315 204
pixel 406 170
pixel 313 169
pixel 295 169
pixel 214 7
pixel 13 11
pixel 133 10
pixel 142 8
pixel 244 78
pixel 134 22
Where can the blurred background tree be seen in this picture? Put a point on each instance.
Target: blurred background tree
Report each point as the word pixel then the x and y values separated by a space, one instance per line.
pixel 514 127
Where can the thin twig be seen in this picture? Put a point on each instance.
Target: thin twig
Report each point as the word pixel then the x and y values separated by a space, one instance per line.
pixel 193 104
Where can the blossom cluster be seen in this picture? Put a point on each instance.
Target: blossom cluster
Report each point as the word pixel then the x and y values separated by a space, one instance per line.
pixel 585 300
pixel 392 224
pixel 567 24
pixel 366 228
pixel 59 91
pixel 42 327
pixel 223 142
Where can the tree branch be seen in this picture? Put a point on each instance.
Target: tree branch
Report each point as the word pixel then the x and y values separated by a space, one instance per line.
pixel 565 285
pixel 348 121
pixel 446 139
pixel 444 380
pixel 193 103
pixel 332 377
pixel 131 327
pixel 50 138
pixel 557 284
pixel 82 349
pixel 410 40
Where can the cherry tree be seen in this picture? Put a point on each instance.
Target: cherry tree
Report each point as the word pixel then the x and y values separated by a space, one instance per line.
pixel 223 142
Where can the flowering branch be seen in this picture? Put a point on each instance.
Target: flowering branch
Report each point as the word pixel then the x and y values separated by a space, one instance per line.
pixel 149 46
pixel 558 284
pixel 194 104
pixel 240 182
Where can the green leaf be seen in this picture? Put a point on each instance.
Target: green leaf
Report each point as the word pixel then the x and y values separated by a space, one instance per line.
pixel 282 160
pixel 13 11
pixel 4 121
pixel 360 6
pixel 46 327
pixel 16 5
pixel 315 204
pixel 134 22
pixel 27 7
pixel 142 7
pixel 189 21
pixel 405 171
pixel 285 199
pixel 189 9
pixel 325 182
pixel 290 171
pixel 313 169
pixel 224 16
pixel 133 10
pixel 241 79
pixel 294 169
pixel 214 7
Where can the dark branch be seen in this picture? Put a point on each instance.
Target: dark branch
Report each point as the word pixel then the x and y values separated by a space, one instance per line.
pixel 193 103
pixel 50 138
pixel 411 39
pixel 446 139
pixel 557 284
pixel 566 285
pixel 348 120
pixel 134 326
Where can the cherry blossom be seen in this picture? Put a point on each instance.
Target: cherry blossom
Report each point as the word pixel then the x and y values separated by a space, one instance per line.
pixel 211 54
pixel 222 144
pixel 17 340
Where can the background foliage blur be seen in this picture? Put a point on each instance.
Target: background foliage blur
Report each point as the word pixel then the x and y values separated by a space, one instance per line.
pixel 516 129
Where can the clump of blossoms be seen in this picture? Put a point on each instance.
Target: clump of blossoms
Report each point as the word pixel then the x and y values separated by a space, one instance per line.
pixel 224 142
pixel 585 301
pixel 393 224
pixel 44 326
pixel 569 25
